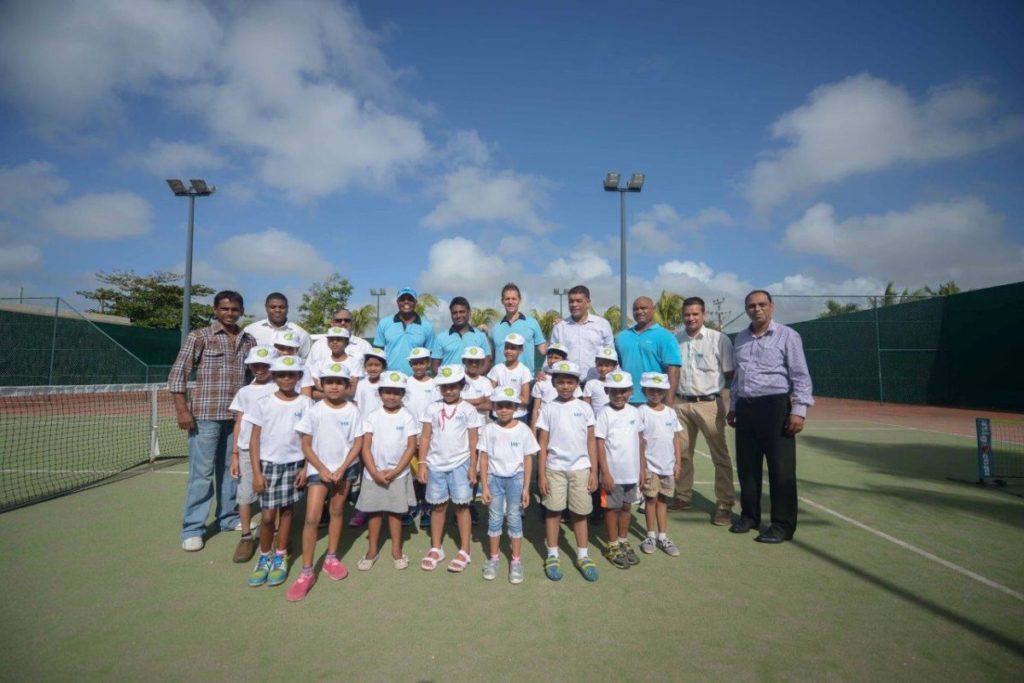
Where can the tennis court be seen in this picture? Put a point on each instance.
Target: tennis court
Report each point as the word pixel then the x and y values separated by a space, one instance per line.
pixel 895 571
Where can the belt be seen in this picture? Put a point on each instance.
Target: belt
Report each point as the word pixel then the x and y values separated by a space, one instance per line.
pixel 700 399
pixel 764 399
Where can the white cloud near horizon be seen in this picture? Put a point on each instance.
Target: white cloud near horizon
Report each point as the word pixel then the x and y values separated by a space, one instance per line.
pixel 961 239
pixel 660 228
pixel 18 257
pixel 101 215
pixel 864 124
pixel 472 194
pixel 274 252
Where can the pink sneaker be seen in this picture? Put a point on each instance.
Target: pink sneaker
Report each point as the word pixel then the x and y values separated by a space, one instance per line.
pixel 335 569
pixel 301 587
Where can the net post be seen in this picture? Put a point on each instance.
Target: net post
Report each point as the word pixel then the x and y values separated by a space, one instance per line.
pixel 53 341
pixel 878 356
pixel 984 428
pixel 154 421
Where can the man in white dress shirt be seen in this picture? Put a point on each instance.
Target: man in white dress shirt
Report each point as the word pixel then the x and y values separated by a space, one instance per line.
pixel 583 334
pixel 356 348
pixel 276 306
pixel 707 364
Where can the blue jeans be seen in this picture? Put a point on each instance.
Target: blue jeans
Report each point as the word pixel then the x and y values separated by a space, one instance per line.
pixel 209 458
pixel 507 503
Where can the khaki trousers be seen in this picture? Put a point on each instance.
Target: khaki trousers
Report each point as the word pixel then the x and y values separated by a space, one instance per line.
pixel 707 417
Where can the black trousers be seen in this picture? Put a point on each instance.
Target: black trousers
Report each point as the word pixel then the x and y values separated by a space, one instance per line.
pixel 760 437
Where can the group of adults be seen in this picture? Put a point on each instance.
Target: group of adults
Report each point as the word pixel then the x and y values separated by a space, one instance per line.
pixel 765 366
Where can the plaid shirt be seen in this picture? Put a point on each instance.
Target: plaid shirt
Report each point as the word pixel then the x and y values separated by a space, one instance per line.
pixel 220 370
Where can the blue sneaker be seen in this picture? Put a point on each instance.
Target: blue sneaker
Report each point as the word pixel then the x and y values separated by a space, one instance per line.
pixel 278 570
pixel 258 575
pixel 552 568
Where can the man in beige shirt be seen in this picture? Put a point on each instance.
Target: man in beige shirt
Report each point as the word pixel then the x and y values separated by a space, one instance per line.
pixel 707 364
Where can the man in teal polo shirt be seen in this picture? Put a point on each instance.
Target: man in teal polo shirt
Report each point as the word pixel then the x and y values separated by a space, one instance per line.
pixel 404 332
pixel 448 346
pixel 514 321
pixel 648 347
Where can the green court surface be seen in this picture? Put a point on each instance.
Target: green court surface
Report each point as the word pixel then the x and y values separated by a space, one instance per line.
pixel 895 572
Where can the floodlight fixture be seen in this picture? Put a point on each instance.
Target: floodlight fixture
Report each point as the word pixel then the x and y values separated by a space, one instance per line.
pixel 636 182
pixel 200 188
pixel 611 182
pixel 177 187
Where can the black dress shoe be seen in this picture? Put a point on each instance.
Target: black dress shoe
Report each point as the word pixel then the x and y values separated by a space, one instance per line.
pixel 773 535
pixel 743 525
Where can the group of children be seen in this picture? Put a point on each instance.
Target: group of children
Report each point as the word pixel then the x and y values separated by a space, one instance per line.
pixel 442 440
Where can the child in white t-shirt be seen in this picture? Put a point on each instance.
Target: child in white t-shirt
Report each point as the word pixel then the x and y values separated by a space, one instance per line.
pixel 448 453
pixel 277 466
pixel 543 391
pixel 258 361
pixel 286 343
pixel 567 468
pixel 367 397
pixel 477 391
pixel 420 391
pixel 337 345
pixel 605 360
pixel 506 447
pixel 331 441
pixel 389 441
pixel 663 453
pixel 512 373
pixel 621 456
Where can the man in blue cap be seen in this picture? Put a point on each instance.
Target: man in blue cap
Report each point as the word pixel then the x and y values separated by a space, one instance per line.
pixel 404 332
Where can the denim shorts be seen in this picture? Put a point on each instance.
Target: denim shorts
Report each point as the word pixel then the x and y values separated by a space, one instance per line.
pixel 453 485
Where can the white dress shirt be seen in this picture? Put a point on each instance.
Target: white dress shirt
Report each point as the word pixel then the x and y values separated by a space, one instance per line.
pixel 583 339
pixel 706 357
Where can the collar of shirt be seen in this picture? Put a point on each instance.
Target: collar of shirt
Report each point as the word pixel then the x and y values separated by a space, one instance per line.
pixel 699 335
pixel 217 328
pixel 416 319
pixel 469 328
pixel 518 316
pixel 569 320
pixel 288 324
pixel 771 330
pixel 650 328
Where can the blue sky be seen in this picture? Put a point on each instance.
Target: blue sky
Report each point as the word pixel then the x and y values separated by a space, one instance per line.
pixel 813 148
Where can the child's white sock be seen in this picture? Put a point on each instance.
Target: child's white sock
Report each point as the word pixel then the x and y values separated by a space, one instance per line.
pixel 582 552
pixel 662 536
pixel 652 534
pixel 552 552
pixel 621 539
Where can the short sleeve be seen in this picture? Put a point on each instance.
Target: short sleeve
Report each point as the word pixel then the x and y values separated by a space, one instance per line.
pixel 368 424
pixel 483 445
pixel 601 426
pixel 378 338
pixel 726 353
pixel 255 414
pixel 544 419
pixel 670 350
pixel 525 373
pixel 530 445
pixel 537 391
pixel 237 403
pixel 492 374
pixel 590 415
pixel 307 423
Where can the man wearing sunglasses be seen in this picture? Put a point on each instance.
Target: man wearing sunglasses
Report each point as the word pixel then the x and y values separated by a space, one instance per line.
pixel 356 345
pixel 405 331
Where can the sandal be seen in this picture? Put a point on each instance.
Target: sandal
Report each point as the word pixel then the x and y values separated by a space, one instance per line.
pixel 457 565
pixel 433 558
pixel 552 568
pixel 401 563
pixel 587 568
pixel 365 563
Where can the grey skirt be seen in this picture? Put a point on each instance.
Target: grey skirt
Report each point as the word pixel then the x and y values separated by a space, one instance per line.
pixel 397 497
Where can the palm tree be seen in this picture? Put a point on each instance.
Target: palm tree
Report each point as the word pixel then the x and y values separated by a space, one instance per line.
pixel 613 317
pixel 480 317
pixel 833 308
pixel 546 321
pixel 888 298
pixel 668 309
pixel 426 300
pixel 362 318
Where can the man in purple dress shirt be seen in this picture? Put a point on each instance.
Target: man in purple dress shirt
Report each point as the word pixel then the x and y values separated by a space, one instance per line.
pixel 768 403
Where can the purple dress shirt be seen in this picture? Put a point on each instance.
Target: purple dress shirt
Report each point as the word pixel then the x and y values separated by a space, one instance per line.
pixel 772 363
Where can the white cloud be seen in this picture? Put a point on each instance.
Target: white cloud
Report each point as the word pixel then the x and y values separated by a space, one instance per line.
pixel 476 195
pixel 579 268
pixel 466 147
pixel 273 252
pixel 62 62
pixel 458 266
pixel 516 245
pixel 961 240
pixel 864 124
pixel 19 257
pixel 106 215
pixel 647 236
pixel 660 228
pixel 26 187
pixel 175 159
pixel 698 271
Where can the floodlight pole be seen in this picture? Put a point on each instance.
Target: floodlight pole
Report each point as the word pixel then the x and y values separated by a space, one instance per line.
pixel 378 293
pixel 561 292
pixel 197 188
pixel 611 184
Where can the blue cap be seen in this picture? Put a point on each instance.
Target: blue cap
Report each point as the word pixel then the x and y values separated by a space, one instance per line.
pixel 407 290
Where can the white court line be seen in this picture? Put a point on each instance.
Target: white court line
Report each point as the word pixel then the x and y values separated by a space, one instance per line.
pixel 909 546
pixel 18 471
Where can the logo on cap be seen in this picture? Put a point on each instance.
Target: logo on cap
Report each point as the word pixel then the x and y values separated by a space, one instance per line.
pixel 288 336
pixel 656 379
pixel 262 353
pixel 446 372
pixel 288 360
pixel 617 377
pixel 336 367
pixel 394 377
pixel 509 391
pixel 473 351
pixel 563 366
pixel 376 350
pixel 606 352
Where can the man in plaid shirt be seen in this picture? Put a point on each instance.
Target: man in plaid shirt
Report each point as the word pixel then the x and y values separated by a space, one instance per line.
pixel 217 353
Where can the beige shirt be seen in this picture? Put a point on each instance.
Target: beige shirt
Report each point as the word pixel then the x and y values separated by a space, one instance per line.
pixel 706 357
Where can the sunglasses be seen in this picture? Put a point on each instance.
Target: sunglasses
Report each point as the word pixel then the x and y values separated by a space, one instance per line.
pixel 343 320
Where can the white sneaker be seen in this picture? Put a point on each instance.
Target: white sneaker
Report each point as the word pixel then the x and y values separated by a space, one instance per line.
pixel 192 544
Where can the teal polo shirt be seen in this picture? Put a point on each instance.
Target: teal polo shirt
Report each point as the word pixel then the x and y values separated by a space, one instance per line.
pixel 448 346
pixel 652 350
pixel 524 325
pixel 398 339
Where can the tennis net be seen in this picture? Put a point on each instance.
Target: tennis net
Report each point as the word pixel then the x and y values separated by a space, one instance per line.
pixel 59 439
pixel 1000 449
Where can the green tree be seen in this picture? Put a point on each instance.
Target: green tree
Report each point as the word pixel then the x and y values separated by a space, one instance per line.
pixel 321 300
pixel 425 302
pixel 833 308
pixel 148 300
pixel 612 315
pixel 546 321
pixel 479 317
pixel 362 319
pixel 668 309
